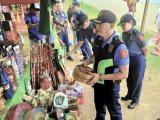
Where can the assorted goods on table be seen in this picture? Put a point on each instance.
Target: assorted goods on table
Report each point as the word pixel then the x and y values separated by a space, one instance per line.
pixel 49 93
pixel 11 68
pixel 8 32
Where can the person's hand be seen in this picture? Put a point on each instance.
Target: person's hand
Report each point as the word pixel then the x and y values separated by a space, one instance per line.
pixel 84 63
pixel 62 44
pixel 95 79
pixel 68 54
pixel 47 39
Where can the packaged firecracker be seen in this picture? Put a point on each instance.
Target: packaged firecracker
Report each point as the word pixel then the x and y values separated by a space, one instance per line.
pixel 2 104
pixel 1 35
pixel 7 84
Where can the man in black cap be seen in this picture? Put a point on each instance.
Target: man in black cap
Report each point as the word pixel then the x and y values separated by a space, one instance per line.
pixel 137 47
pixel 110 64
pixel 86 50
pixel 87 31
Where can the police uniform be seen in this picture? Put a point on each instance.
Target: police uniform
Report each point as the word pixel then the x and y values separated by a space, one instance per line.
pixel 86 50
pixel 135 41
pixel 60 16
pixel 108 56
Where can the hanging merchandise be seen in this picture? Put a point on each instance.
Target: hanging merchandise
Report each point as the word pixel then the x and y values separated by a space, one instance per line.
pixel 17 112
pixel 11 54
pixel 43 74
pixel 19 59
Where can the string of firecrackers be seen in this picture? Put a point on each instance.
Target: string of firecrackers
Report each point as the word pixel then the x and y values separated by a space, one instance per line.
pixel 41 60
pixel 2 100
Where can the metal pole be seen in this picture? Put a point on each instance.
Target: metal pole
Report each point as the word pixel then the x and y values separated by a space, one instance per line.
pixel 144 15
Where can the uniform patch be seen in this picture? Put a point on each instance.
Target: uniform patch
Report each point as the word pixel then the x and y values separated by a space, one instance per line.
pixel 110 48
pixel 123 53
pixel 131 37
pixel 141 37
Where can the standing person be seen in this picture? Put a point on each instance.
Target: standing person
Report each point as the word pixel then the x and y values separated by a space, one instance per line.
pixel 32 21
pixel 111 64
pixel 137 48
pixel 87 31
pixel 70 12
pixel 85 48
pixel 62 27
pixel 157 21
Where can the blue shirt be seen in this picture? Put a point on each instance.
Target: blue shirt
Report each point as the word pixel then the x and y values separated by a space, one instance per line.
pixel 119 59
pixel 60 15
pixel 33 32
pixel 134 41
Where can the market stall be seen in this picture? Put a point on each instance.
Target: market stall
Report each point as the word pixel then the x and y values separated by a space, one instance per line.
pixel 43 91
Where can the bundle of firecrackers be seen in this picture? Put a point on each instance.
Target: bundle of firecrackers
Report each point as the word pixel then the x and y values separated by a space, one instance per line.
pixel 2 100
pixel 41 99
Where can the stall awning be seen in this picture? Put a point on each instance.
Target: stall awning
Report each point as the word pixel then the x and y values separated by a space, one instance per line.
pixel 10 2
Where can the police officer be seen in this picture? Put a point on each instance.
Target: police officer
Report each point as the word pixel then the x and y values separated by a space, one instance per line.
pixel 111 64
pixel 137 48
pixel 86 50
pixel 61 21
pixel 87 31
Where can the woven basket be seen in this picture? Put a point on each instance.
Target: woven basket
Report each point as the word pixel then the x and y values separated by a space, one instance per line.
pixel 82 74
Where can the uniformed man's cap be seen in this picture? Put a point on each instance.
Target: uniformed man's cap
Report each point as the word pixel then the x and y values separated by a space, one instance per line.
pixel 127 18
pixel 56 1
pixel 35 6
pixel 81 19
pixel 105 16
pixel 75 3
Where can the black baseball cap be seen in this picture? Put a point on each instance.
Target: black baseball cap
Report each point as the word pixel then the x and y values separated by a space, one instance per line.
pixel 35 6
pixel 127 18
pixel 75 3
pixel 81 19
pixel 105 16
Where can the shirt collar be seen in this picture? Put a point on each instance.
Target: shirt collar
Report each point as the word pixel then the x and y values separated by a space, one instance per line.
pixel 111 38
pixel 131 31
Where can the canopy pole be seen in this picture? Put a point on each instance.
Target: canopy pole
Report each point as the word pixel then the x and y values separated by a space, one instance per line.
pixel 144 15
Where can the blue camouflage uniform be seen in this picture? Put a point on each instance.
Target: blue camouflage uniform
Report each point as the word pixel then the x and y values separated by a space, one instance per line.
pixel 108 56
pixel 61 17
pixel 135 41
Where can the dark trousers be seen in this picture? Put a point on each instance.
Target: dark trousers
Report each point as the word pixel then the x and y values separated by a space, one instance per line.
pixel 136 74
pixel 65 39
pixel 85 48
pixel 107 95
